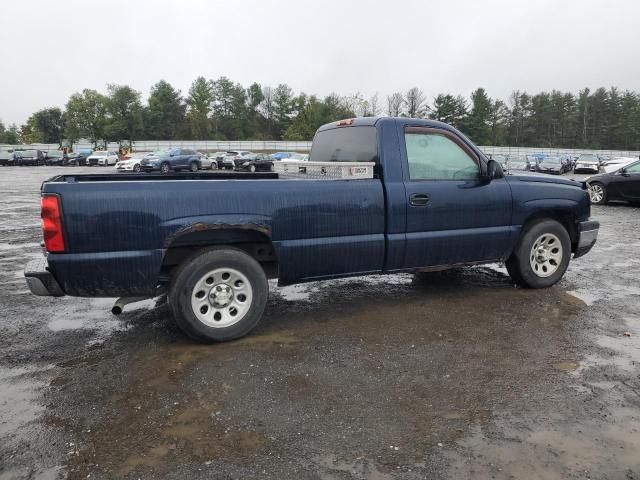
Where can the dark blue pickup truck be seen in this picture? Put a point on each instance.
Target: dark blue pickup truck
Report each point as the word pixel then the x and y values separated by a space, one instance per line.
pixel 211 240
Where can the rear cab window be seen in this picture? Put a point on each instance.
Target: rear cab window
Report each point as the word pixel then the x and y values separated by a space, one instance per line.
pixel 345 144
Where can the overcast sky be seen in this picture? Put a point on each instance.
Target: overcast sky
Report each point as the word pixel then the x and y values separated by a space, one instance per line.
pixel 52 49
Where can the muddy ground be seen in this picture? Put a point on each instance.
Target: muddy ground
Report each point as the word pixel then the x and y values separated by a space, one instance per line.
pixel 452 375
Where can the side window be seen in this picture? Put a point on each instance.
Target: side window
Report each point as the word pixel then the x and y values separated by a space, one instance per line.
pixel 433 156
pixel 633 168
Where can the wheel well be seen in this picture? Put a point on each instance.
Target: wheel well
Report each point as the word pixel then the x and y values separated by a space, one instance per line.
pixel 566 219
pixel 253 242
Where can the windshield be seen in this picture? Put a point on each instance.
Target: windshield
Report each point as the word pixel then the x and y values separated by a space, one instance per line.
pixel 555 160
pixel 588 158
pixel 297 156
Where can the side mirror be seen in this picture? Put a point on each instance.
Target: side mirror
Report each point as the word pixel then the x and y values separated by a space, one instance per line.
pixel 494 171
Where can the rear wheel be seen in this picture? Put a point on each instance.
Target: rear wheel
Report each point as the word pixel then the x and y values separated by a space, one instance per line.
pixel 218 295
pixel 541 256
pixel 164 168
pixel 136 168
pixel 598 193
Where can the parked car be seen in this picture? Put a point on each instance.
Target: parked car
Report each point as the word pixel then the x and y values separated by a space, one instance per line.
pixel 552 165
pixel 4 157
pixel 298 157
pixel 587 162
pixel 207 162
pixel 282 155
pixel 519 163
pixel 132 163
pixel 433 201
pixel 102 158
pixel 26 158
pixel 219 156
pixel 615 163
pixel 53 158
pixel 233 158
pixel 255 162
pixel 172 159
pixel 79 158
pixel 622 184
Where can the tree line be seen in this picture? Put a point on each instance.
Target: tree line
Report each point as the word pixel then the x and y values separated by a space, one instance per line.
pixel 224 110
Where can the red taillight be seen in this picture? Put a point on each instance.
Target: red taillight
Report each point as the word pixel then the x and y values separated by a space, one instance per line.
pixel 52 223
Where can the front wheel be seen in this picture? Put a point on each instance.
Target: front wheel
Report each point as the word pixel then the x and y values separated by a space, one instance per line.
pixel 218 295
pixel 193 167
pixel 252 168
pixel 164 168
pixel 598 193
pixel 541 255
pixel 136 168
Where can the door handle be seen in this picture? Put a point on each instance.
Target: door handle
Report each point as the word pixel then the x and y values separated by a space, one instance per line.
pixel 419 199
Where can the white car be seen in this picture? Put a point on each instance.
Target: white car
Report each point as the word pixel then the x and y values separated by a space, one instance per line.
pixel 103 158
pixel 132 164
pixel 208 163
pixel 298 157
pixel 588 163
pixel 616 163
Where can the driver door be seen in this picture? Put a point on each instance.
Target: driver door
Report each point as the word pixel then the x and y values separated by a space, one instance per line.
pixel 453 215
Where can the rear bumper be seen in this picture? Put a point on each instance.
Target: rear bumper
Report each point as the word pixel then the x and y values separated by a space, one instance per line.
pixel 40 280
pixel 587 236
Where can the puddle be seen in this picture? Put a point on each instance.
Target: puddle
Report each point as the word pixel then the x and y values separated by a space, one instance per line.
pixel 360 468
pixel 306 291
pixel 587 297
pixel 567 366
pixel 19 392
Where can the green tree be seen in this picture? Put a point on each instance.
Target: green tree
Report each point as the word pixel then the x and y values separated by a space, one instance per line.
pixel 199 102
pixel 44 126
pixel 125 113
pixel 478 125
pixel 255 98
pixel 164 117
pixel 86 116
pixel 12 135
pixel 282 108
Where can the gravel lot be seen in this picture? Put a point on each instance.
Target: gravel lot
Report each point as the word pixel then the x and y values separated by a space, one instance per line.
pixel 451 375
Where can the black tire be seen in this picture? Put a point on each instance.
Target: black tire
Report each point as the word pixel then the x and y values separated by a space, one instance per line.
pixel 601 199
pixel 165 168
pixel 194 166
pixel 252 168
pixel 519 264
pixel 136 168
pixel 189 274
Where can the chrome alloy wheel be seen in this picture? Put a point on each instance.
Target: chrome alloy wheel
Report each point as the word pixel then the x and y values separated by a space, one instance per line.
pixel 221 297
pixel 546 255
pixel 596 192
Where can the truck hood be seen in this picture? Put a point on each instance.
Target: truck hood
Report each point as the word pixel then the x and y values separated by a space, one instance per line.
pixel 541 177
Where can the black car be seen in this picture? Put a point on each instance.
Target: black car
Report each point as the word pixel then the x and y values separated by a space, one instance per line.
pixel 552 165
pixel 27 157
pixel 55 159
pixel 256 162
pixel 623 184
